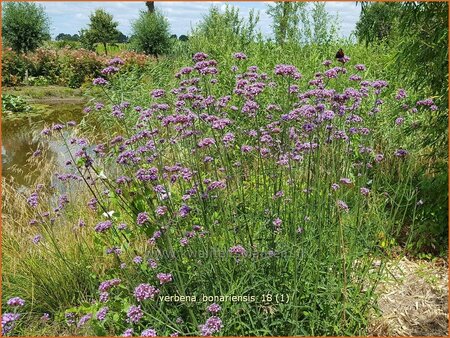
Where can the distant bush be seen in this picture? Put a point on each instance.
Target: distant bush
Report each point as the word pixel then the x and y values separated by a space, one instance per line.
pixel 151 34
pixel 65 67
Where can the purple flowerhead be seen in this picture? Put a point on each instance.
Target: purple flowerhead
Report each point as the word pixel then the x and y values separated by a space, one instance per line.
pixel 104 297
pixel 184 241
pixel 239 56
pixel 83 320
pixel 213 324
pixel 115 61
pixel 401 153
pixel 206 142
pixel 149 333
pixel 287 70
pixel 142 218
pixel 108 284
pixel 184 210
pixel 199 57
pixel 164 278
pixel 364 191
pixel 37 239
pixel 137 260
pixel 360 67
pixel 99 81
pixel 145 291
pixel 33 200
pixel 161 210
pixel 9 322
pixel 237 250
pixel 156 93
pixel 109 70
pixel 16 302
pixel 101 314
pixel 134 314
pixel 399 120
pixel 128 333
pixel 103 226
pixel 345 181
pixel 214 308
pixel 342 205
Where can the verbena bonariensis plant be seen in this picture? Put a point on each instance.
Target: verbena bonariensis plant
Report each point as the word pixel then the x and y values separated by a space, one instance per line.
pixel 266 195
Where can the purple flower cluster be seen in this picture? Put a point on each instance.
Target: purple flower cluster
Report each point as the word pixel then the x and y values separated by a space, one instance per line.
pixel 164 278
pixel 116 61
pixel 99 81
pixel 103 226
pixel 287 70
pixel 83 320
pixel 145 291
pixel 9 322
pixel 237 250
pixel 149 333
pixel 134 314
pixel 101 314
pixel 142 218
pixel 16 302
pixel 212 325
pixel 108 284
pixel 239 56
pixel 214 308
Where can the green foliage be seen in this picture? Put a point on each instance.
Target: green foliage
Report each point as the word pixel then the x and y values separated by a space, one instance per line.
pixel 298 22
pixel 378 21
pixel 25 26
pixel 15 104
pixel 151 33
pixel 224 31
pixel 87 40
pixel 324 26
pixel 286 19
pixel 67 37
pixel 102 29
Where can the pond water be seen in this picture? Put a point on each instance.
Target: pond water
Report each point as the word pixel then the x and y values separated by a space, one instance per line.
pixel 21 137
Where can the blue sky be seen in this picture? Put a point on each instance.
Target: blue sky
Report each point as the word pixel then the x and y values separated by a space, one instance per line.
pixel 70 17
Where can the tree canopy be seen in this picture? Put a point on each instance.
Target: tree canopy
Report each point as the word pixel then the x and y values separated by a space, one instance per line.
pixel 25 26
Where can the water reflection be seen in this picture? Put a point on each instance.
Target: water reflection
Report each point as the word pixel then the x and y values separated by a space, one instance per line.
pixel 21 137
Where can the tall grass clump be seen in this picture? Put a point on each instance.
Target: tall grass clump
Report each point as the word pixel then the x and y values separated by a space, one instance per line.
pixel 242 200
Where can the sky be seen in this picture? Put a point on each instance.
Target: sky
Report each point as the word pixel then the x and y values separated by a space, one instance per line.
pixel 70 17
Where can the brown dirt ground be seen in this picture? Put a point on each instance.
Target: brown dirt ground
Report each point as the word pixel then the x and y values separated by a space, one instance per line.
pixel 413 299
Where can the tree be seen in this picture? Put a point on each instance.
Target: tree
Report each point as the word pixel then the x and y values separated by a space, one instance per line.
pixel 151 33
pixel 324 26
pixel 25 26
pixel 377 21
pixel 151 6
pixel 87 39
pixel 67 37
pixel 183 38
pixel 225 30
pixel 102 29
pixel 285 20
pixel 122 38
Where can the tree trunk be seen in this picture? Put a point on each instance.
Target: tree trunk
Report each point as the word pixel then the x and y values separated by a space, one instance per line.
pixel 151 6
pixel 106 49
